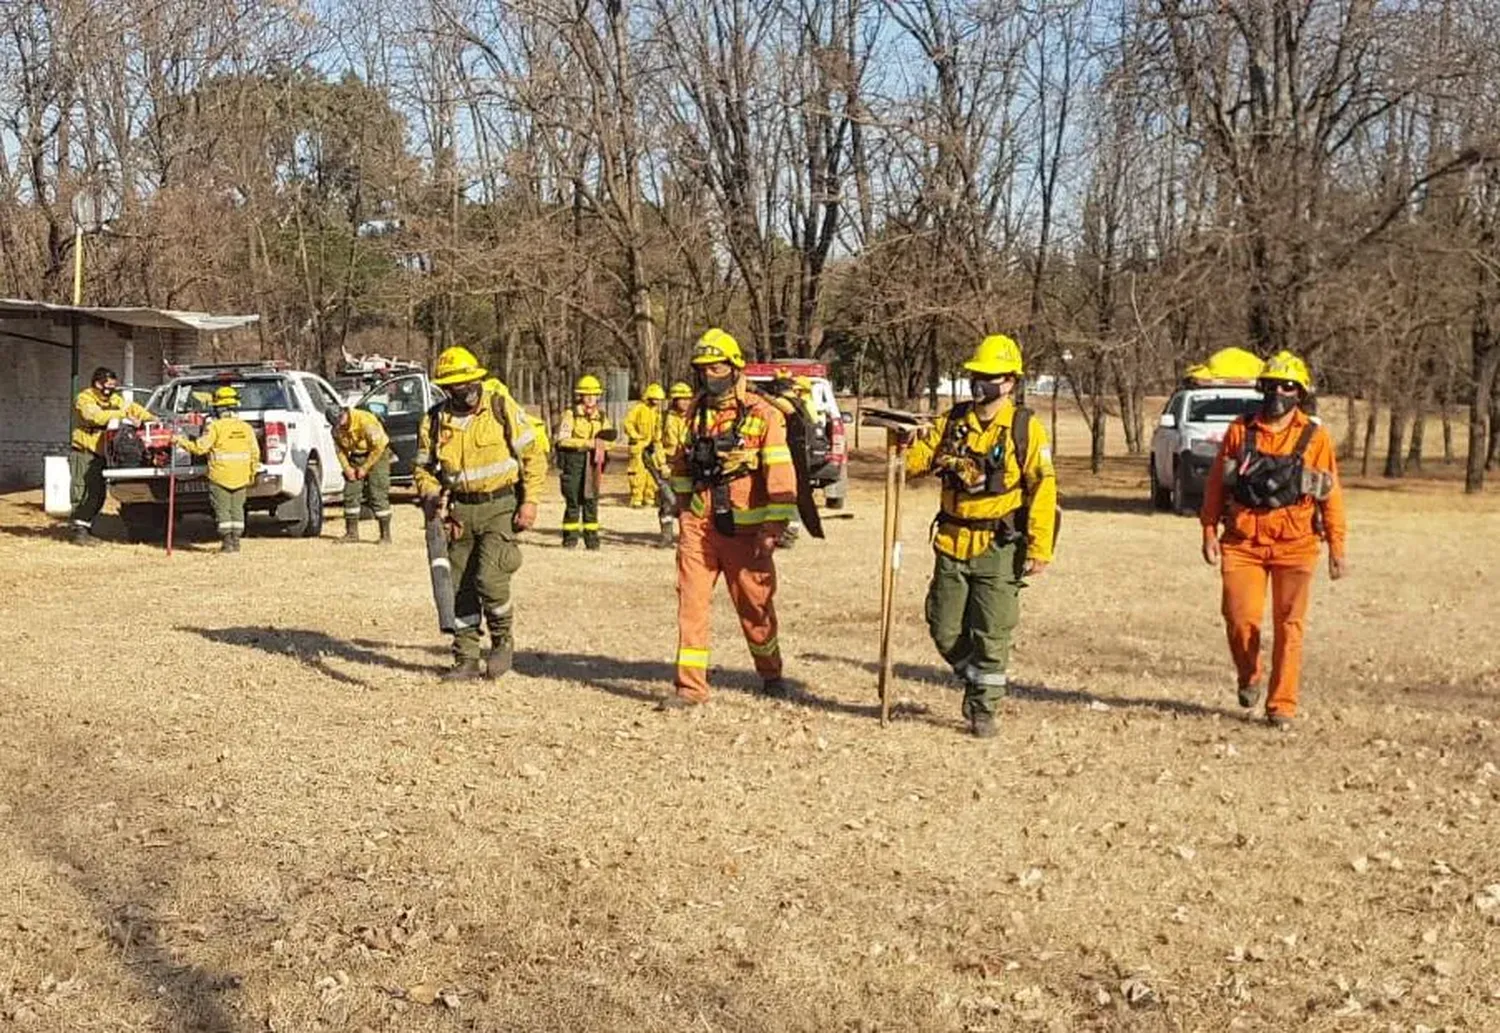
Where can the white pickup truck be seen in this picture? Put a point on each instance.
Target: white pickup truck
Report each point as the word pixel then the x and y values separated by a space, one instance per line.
pixel 298 468
pixel 1187 439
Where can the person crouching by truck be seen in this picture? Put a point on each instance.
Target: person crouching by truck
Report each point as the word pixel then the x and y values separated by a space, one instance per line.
pixel 98 408
pixel 477 454
pixel 364 452
pixel 233 455
pixel 1275 490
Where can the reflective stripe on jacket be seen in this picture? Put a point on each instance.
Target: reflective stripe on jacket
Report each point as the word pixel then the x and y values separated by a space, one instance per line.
pixel 577 429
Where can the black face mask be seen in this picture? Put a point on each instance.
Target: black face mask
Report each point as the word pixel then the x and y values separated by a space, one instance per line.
pixel 716 387
pixel 1276 405
pixel 465 398
pixel 984 391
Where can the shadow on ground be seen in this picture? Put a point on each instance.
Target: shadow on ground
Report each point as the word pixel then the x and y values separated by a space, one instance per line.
pixel 943 677
pixel 312 648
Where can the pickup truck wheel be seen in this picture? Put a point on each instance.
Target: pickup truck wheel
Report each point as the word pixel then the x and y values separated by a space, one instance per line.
pixel 144 522
pixel 1181 504
pixel 1161 497
pixel 309 522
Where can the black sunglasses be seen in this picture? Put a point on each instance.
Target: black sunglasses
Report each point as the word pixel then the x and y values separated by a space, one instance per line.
pixel 1285 387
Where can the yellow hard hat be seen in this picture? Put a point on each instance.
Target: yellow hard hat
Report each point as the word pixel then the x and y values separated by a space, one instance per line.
pixel 226 398
pixel 803 384
pixel 717 346
pixel 996 356
pixel 680 390
pixel 1286 366
pixel 457 365
pixel 654 393
pixel 588 384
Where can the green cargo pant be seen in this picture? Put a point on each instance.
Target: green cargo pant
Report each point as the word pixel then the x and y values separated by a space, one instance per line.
pixel 374 491
pixel 229 508
pixel 87 489
pixel 483 556
pixel 580 515
pixel 972 608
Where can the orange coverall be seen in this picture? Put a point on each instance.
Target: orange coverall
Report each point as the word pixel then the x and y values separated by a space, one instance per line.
pixel 1279 545
pixel 763 498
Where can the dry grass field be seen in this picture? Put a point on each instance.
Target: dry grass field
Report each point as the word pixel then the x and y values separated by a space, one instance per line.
pixel 234 798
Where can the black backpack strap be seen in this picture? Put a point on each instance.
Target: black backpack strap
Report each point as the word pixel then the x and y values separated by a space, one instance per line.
pixel 1305 438
pixel 497 406
pixel 1020 436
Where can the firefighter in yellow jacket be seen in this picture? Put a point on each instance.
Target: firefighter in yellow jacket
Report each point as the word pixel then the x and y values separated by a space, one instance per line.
pixel 643 436
pixel 477 453
pixel 233 456
pixel 98 408
pixel 364 452
pixel 583 436
pixel 995 528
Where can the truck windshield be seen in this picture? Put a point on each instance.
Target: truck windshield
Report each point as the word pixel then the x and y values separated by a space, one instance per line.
pixel 1222 409
pixel 197 395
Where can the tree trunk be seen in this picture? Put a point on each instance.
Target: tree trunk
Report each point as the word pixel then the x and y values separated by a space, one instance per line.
pixel 1395 437
pixel 1486 358
pixel 1351 430
pixel 1371 415
pixel 1418 433
pixel 1098 424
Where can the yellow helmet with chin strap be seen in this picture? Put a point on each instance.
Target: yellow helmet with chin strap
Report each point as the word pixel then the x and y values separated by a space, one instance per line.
pixel 1286 366
pixel 680 390
pixel 717 346
pixel 588 384
pixel 996 356
pixel 226 398
pixel 654 393
pixel 457 365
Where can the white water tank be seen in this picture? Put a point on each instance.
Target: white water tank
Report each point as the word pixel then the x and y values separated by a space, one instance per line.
pixel 56 486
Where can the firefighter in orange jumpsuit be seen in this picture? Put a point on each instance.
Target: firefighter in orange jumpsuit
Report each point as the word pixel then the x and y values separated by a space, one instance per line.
pixel 1275 489
pixel 736 489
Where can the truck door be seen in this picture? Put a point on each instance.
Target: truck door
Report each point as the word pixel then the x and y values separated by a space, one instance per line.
pixel 400 402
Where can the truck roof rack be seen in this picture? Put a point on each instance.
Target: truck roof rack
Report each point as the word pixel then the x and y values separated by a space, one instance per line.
pixel 181 369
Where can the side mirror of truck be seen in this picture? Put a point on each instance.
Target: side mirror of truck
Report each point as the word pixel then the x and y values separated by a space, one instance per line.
pixel 1167 421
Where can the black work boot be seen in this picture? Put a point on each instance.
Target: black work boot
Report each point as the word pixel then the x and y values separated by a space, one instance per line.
pixel 981 722
pixel 570 540
pixel 81 536
pixel 1250 695
pixel 226 543
pixel 667 539
pixel 385 530
pixel 673 704
pixel 499 661
pixel 591 541
pixel 351 531
pixel 463 670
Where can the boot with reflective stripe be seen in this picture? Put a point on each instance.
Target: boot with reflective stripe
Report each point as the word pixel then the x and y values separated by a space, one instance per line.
pixel 385 530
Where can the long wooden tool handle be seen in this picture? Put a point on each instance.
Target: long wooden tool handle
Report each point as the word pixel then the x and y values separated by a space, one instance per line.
pixel 888 574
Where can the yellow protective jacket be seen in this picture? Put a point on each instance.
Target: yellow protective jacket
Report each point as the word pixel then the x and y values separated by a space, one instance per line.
pixel 233 453
pixel 674 434
pixel 1030 480
pixel 471 453
pixel 539 428
pixel 94 413
pixel 361 444
pixel 642 427
pixel 577 430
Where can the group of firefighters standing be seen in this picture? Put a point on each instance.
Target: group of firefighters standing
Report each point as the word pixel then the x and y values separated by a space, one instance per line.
pixel 717 452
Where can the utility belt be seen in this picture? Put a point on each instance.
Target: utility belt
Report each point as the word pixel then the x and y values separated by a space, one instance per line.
pixel 1005 527
pixel 474 498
